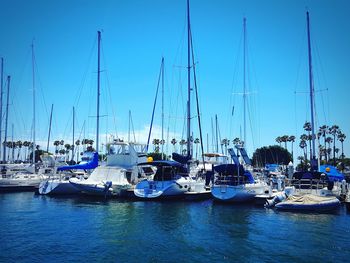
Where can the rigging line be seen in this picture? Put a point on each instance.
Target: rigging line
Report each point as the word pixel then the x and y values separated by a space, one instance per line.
pixel 154 106
pixel 85 73
pixel 320 65
pixel 235 80
pixel 109 92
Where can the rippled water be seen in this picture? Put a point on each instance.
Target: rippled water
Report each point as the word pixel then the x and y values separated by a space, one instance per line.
pixel 43 229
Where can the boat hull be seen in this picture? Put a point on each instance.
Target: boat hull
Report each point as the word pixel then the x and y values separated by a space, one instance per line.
pixel 161 189
pixel 54 187
pixel 309 203
pixel 237 193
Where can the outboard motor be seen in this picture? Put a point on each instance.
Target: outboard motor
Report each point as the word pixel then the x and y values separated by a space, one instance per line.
pixel 280 197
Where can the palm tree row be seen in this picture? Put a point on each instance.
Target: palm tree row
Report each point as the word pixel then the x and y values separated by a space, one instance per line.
pixel 13 145
pixel 330 135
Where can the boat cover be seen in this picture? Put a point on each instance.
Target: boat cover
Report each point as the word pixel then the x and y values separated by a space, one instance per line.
pixel 92 164
pixel 333 174
pixel 309 202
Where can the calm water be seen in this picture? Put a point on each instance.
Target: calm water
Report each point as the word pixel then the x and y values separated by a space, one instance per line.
pixel 43 229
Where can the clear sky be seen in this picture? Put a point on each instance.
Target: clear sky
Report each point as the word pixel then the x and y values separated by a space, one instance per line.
pixel 137 33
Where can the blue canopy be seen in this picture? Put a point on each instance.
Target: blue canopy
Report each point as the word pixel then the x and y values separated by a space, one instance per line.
pixel 91 164
pixel 271 167
pixel 333 174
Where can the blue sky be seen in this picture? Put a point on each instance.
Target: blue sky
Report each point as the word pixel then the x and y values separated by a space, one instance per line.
pixel 136 34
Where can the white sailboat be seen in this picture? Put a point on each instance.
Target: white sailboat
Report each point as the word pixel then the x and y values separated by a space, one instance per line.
pixel 119 174
pixel 308 194
pixel 21 180
pixel 178 178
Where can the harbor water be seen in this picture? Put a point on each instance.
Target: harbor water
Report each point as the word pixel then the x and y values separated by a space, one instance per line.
pixel 47 229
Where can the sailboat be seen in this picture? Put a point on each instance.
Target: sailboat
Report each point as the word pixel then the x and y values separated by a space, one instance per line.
pixel 22 180
pixel 309 196
pixel 179 178
pixel 118 175
pixel 235 182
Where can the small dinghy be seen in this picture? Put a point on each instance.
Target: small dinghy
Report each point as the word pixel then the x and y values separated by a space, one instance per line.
pixel 309 202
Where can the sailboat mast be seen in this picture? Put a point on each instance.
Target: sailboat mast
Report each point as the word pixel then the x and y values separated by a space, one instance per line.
pixel 162 108
pixel 1 93
pixel 312 98
pixel 188 80
pixel 98 88
pixel 7 116
pixel 33 74
pixel 244 81
pixel 73 144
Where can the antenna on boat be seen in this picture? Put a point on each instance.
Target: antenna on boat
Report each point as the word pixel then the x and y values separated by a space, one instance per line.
pixel 98 88
pixel 162 142
pixel 314 166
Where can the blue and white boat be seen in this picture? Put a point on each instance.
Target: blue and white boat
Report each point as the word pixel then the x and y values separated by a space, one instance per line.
pixel 170 180
pixel 119 174
pixel 58 183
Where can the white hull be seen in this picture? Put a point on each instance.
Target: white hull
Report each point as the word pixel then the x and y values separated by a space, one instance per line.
pixel 20 182
pixel 238 193
pixel 149 189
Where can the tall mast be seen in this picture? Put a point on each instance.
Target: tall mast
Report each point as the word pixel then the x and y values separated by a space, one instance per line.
pixel 312 98
pixel 162 108
pixel 188 80
pixel 244 80
pixel 48 137
pixel 7 116
pixel 129 126
pixel 73 144
pixel 1 93
pixel 98 88
pixel 33 71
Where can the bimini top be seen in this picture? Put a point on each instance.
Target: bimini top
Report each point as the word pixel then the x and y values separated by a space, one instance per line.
pixel 91 164
pixel 231 169
pixel 332 173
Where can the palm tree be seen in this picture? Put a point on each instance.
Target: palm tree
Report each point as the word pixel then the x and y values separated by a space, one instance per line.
pixel 292 140
pixel 68 147
pixel 284 139
pixel 173 142
pixel 196 142
pixel 303 146
pixel 56 144
pixel 19 145
pixel 225 142
pixel 334 130
pixel 182 143
pixel 278 140
pixel 77 143
pixel 26 145
pixel 307 127
pixel 323 130
pixel 155 143
pixel 236 141
pixel 341 138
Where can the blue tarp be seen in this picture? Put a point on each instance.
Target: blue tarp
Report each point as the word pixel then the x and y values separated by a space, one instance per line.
pixel 271 167
pixel 92 164
pixel 333 174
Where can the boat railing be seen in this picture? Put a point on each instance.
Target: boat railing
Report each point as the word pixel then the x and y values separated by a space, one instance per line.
pixel 307 184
